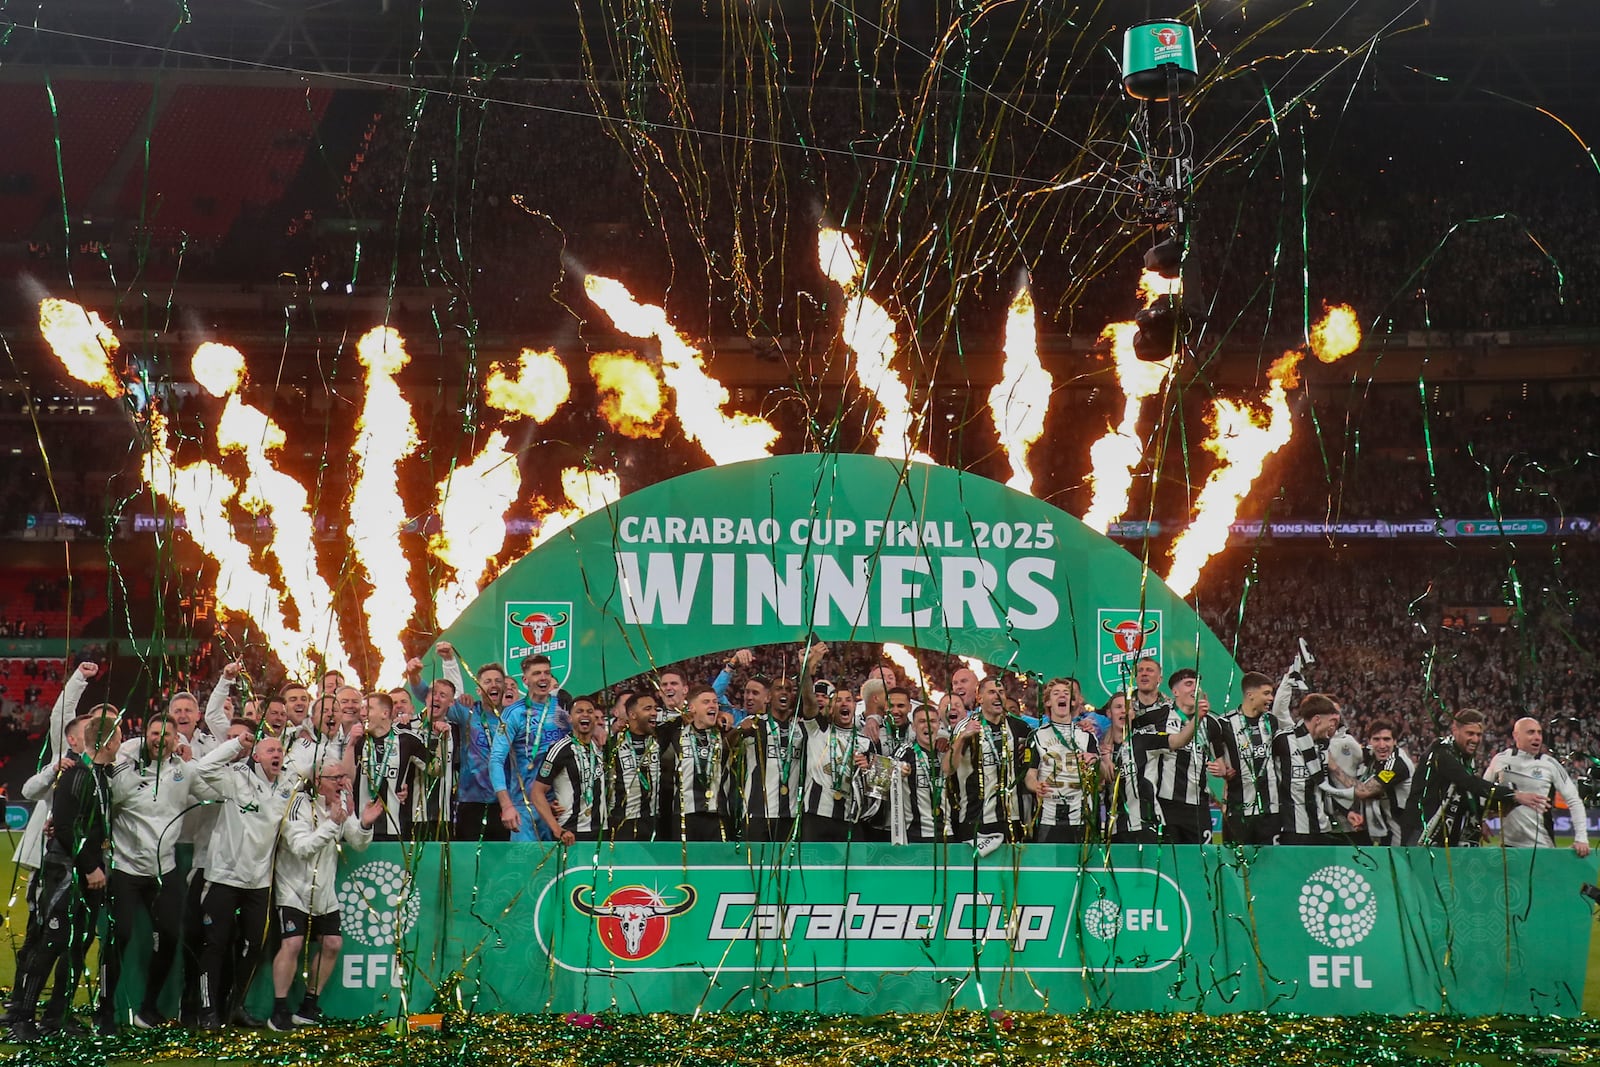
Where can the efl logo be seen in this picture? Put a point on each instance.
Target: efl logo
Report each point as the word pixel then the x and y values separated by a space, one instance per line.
pixel 1125 638
pixel 633 921
pixel 376 908
pixel 539 629
pixel 1339 909
pixel 1103 920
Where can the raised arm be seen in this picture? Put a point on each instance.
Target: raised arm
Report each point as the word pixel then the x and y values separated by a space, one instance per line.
pixel 1185 732
pixel 66 706
pixel 217 718
pixel 38 787
pixel 808 667
pixel 214 778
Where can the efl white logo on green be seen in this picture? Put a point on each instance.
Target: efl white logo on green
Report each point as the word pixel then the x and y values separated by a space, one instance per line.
pixel 539 628
pixel 376 904
pixel 1338 907
pixel 1126 636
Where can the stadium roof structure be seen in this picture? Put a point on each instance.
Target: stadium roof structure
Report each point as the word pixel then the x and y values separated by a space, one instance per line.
pixel 1537 50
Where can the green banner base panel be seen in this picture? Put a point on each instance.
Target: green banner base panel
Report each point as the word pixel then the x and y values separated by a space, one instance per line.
pixel 868 928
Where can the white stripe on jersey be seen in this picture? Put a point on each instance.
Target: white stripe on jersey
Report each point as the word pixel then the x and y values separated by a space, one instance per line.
pixel 833 783
pixel 772 749
pixel 574 773
pixel 1057 750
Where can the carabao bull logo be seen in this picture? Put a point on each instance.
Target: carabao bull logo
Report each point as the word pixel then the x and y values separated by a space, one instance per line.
pixel 633 921
pixel 539 629
pixel 1129 635
pixel 1166 36
pixel 1126 636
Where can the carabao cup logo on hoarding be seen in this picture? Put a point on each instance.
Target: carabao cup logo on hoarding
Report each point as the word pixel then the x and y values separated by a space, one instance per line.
pixel 1338 907
pixel 1126 636
pixel 376 904
pixel 539 629
pixel 634 920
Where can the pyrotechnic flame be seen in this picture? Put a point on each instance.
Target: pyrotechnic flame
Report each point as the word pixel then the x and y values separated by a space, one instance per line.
pixel 1152 284
pixel 906 660
pixel 218 369
pixel 82 342
pixel 201 493
pixel 868 331
pixel 385 434
pixel 473 501
pixel 539 389
pixel 700 398
pixel 268 491
pixel 1336 335
pixel 1241 442
pixel 587 491
pixel 1113 457
pixel 1020 400
pixel 630 393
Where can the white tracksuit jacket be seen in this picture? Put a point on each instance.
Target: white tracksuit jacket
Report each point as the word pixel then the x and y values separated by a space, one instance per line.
pixel 1522 827
pixel 308 861
pixel 148 801
pixel 248 814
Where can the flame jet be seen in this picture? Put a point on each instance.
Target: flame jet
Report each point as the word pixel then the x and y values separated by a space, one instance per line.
pixel 587 491
pixel 1114 456
pixel 699 398
pixel 868 331
pixel 539 389
pixel 630 393
pixel 1021 399
pixel 473 501
pixel 219 369
pixel 385 435
pixel 1242 441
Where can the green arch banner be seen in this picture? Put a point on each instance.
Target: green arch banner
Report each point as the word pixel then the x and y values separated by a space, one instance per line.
pixel 842 548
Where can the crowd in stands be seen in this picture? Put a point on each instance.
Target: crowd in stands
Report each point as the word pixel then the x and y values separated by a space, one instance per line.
pixel 1375 619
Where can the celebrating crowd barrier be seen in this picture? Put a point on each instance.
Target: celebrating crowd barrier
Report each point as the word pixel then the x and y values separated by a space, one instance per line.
pixel 873 928
pixel 838 837
pixel 886 850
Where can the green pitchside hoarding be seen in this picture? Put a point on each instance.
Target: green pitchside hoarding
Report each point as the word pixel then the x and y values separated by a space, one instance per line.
pixel 848 548
pixel 873 928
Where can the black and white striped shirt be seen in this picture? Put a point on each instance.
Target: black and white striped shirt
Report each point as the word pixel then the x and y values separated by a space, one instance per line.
pixel 989 774
pixel 833 787
pixel 1302 767
pixel 928 796
pixel 574 771
pixel 1054 756
pixel 700 778
pixel 384 768
pixel 433 779
pixel 1245 744
pixel 1131 796
pixel 1384 811
pixel 633 778
pixel 1178 775
pixel 774 768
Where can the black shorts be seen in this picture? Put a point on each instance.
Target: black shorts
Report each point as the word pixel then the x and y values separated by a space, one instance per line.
pixel 292 922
